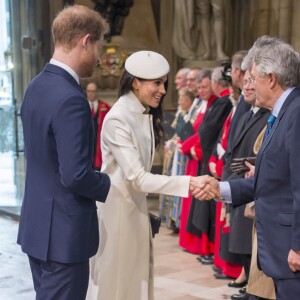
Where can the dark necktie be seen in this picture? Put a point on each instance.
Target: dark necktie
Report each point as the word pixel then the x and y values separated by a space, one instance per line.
pixel 93 110
pixel 249 115
pixel 270 123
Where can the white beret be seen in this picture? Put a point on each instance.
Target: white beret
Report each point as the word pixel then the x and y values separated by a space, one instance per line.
pixel 147 65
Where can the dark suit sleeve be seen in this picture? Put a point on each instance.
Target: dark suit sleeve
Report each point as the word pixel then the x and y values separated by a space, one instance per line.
pixel 72 131
pixel 293 146
pixel 242 190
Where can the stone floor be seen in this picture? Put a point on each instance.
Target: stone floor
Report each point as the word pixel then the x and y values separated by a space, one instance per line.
pixel 178 276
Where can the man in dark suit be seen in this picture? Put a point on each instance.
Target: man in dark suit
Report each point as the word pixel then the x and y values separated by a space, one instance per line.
pixel 99 110
pixel 250 125
pixel 275 185
pixel 58 225
pixel 237 77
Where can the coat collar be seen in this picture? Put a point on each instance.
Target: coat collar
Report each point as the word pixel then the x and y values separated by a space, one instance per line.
pixel 291 97
pixel 65 67
pixel 62 72
pixel 133 103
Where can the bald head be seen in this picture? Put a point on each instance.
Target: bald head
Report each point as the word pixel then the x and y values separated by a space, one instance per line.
pixel 180 78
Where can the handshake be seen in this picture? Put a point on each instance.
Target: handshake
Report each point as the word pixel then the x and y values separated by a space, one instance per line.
pixel 205 187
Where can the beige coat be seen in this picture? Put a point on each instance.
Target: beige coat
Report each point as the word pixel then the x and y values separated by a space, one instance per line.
pixel 123 266
pixel 259 284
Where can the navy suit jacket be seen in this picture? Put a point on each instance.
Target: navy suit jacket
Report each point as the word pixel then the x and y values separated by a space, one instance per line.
pixel 59 217
pixel 275 188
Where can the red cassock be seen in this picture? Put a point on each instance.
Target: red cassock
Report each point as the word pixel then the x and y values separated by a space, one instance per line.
pixel 189 241
pixel 103 109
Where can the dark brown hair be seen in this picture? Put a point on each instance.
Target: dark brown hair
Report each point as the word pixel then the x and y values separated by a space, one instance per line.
pixel 74 22
pixel 125 87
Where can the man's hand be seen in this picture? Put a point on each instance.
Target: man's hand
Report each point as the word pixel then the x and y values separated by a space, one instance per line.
pixel 294 260
pixel 204 187
pixel 251 168
pixel 193 153
pixel 213 168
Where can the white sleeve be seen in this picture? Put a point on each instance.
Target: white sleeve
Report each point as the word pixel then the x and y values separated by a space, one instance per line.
pixel 117 136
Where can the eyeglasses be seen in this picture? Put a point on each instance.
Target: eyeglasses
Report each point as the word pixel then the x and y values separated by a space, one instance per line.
pixel 91 91
pixel 250 80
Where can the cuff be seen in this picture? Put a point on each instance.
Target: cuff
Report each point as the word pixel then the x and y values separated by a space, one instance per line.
pixel 225 192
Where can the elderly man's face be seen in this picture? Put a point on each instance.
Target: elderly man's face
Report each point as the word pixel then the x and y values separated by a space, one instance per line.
pixel 205 89
pixel 191 82
pixel 263 89
pixel 180 80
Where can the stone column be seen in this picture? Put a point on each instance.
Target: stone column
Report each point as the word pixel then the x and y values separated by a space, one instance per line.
pixel 166 30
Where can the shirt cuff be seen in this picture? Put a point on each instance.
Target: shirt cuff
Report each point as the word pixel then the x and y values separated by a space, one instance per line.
pixel 225 192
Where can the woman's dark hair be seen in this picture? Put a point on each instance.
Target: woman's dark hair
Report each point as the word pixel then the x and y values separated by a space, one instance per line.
pixel 125 87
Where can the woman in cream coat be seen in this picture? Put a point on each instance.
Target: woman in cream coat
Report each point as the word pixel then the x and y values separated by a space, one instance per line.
pixel 123 266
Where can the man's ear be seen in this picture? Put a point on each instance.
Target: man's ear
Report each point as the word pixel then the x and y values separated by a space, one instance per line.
pixel 84 40
pixel 272 80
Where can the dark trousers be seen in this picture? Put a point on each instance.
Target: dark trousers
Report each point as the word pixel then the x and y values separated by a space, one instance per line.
pixel 246 262
pixel 59 281
pixel 287 289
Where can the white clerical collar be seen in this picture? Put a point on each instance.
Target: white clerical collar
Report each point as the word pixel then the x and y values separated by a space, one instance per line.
pixel 65 67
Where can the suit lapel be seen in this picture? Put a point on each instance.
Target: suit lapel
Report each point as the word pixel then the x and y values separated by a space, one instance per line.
pixel 267 141
pixel 248 125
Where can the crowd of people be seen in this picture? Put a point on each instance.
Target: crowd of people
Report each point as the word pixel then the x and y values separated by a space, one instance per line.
pixel 226 126
pixel 235 144
pixel 233 233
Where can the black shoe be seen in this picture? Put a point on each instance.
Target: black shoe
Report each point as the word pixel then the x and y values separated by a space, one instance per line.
pixel 200 257
pixel 235 284
pixel 221 276
pixel 208 261
pixel 244 296
pixel 217 269
pixel 243 290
